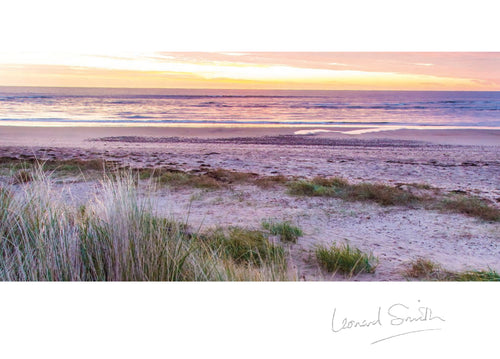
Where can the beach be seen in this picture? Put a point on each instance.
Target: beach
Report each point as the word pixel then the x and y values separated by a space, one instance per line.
pixel 444 161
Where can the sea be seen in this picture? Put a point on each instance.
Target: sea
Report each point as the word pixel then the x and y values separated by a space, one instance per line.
pixel 371 110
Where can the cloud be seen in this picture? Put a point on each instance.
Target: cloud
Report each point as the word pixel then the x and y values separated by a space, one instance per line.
pixel 234 53
pixel 307 70
pixel 337 64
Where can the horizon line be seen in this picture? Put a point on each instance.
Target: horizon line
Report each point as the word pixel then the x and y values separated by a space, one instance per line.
pixel 231 89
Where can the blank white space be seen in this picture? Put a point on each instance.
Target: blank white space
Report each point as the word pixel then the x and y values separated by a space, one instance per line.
pixel 263 25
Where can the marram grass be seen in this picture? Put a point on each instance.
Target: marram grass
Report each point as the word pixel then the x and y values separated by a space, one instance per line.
pixel 116 236
pixel 425 269
pixel 339 188
pixel 386 195
pixel 285 230
pixel 345 259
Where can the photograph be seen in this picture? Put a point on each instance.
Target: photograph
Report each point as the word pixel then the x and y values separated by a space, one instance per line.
pixel 230 179
pixel 259 166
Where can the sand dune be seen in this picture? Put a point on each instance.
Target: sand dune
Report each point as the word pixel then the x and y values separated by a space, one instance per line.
pixel 396 235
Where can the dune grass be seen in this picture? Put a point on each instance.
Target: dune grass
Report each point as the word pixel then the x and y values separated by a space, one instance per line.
pixel 476 276
pixel 285 230
pixel 22 176
pixel 345 259
pixel 118 236
pixel 385 195
pixel 214 179
pixel 425 269
pixel 210 179
pixel 471 206
pixel 340 188
pixel 183 179
pixel 245 246
pixel 266 182
pixel 69 165
pixel 21 171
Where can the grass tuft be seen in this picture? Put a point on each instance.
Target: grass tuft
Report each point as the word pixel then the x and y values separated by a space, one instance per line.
pixel 476 276
pixel 340 188
pixel 245 246
pixel 227 176
pixel 426 269
pixel 380 193
pixel 471 206
pixel 345 259
pixel 285 230
pixel 337 182
pixel 77 165
pixel 177 178
pixel 270 181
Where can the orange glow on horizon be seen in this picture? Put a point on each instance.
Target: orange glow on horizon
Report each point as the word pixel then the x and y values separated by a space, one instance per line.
pixel 321 71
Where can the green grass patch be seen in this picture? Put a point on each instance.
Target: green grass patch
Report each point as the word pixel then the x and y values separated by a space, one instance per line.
pixel 70 165
pixel 345 259
pixel 78 165
pixel 93 168
pixel 339 188
pixel 227 176
pixel 306 188
pixel 184 179
pixel 245 246
pixel 213 179
pixel 471 206
pixel 381 194
pixel 476 276
pixel 425 269
pixel 285 230
pixel 15 165
pixel 336 182
pixel 394 196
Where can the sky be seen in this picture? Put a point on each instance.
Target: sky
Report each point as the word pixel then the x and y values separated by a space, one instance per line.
pixel 462 71
pixel 262 44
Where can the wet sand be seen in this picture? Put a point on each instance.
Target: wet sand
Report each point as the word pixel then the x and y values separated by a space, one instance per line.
pixel 70 136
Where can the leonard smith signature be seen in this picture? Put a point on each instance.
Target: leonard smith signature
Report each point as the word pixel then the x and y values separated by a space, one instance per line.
pixel 396 315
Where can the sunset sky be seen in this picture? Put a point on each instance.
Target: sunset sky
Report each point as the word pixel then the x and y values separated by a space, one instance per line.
pixel 255 70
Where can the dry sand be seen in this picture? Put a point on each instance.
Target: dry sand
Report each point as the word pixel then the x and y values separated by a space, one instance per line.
pixel 395 234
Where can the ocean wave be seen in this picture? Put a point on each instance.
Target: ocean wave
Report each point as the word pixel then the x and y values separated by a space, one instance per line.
pixel 278 108
pixel 154 120
pixel 123 102
pixel 226 105
pixel 138 117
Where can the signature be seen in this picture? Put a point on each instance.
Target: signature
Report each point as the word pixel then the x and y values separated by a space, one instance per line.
pixel 395 315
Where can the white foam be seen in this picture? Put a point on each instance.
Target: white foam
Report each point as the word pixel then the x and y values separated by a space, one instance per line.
pixel 369 130
pixel 311 132
pixel 351 132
